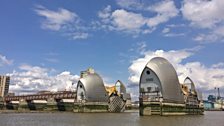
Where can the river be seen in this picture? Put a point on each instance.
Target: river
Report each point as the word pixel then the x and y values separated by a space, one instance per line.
pixel 211 118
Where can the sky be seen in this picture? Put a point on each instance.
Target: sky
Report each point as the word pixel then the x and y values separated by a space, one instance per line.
pixel 45 44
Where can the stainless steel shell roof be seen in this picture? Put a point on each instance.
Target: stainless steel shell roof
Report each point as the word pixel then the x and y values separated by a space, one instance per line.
pixel 167 75
pixel 122 86
pixel 94 88
pixel 191 83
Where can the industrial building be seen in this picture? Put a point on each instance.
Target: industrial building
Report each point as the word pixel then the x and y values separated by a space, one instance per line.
pixel 162 94
pixel 4 85
pixel 214 102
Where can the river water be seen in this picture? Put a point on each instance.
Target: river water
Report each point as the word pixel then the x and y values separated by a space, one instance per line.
pixel 215 118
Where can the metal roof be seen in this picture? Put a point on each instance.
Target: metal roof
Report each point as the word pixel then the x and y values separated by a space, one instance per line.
pixel 122 86
pixel 171 90
pixel 188 81
pixel 94 88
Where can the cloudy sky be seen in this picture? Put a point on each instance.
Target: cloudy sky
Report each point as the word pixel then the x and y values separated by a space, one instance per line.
pixel 45 44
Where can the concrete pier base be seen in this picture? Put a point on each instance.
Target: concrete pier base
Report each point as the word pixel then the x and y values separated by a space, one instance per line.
pixel 1 103
pixel 39 105
pixel 164 109
pixel 90 107
pixel 51 105
pixel 23 105
pixel 66 105
pixel 12 105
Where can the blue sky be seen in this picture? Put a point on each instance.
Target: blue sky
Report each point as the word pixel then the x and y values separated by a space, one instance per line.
pixel 45 44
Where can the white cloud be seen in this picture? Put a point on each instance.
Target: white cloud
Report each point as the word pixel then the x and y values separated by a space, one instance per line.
pixel 54 20
pixel 133 22
pixel 166 30
pixel 215 34
pixel 165 10
pixel 127 20
pixel 206 38
pixel 31 79
pixel 176 25
pixel 62 20
pixel 79 35
pixel 205 78
pixel 105 14
pixel 218 65
pixel 5 61
pixel 122 20
pixel 167 33
pixel 141 47
pixel 174 34
pixel 205 14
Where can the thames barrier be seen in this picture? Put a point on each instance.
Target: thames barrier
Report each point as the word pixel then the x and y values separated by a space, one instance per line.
pixel 160 93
